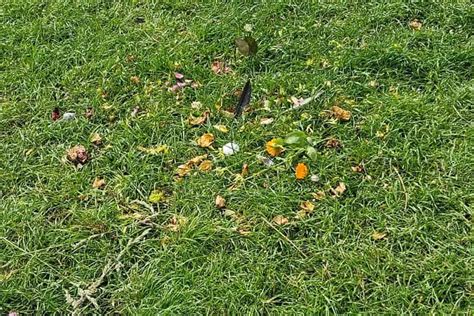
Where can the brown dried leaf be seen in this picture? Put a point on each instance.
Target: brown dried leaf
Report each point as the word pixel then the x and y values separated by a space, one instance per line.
pixel 183 170
pixel 77 154
pixel 196 160
pixel 195 121
pixel 339 189
pixel 340 113
pixel 220 202
pixel 205 140
pixel 358 169
pixel 98 183
pixel 219 67
pixel 280 220
pixel 333 143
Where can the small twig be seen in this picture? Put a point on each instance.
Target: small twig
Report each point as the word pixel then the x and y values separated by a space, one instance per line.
pixel 285 238
pixel 403 187
pixel 87 294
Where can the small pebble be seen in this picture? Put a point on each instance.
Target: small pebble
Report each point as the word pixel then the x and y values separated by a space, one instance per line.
pixel 68 116
pixel 230 149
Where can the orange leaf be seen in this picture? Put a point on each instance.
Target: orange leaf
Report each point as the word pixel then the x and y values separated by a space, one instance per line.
pixel 205 140
pixel 301 171
pixel 340 113
pixel 273 149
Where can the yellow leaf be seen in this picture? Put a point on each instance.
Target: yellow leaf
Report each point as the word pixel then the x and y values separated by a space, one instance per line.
pixel 273 149
pixel 320 195
pixel 301 171
pixel 206 165
pixel 378 235
pixel 98 183
pixel 155 150
pixel 221 128
pixel 307 206
pixel 196 160
pixel 340 113
pixel 156 196
pixel 220 202
pixel 205 140
pixel 96 139
pixel 280 220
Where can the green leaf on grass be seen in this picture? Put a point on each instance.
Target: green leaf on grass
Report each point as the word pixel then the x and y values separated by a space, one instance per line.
pixel 247 46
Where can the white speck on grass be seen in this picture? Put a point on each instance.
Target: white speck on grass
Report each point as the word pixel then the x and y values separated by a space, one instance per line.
pixel 230 149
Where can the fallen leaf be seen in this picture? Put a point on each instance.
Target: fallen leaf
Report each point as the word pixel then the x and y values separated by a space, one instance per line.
pixel 266 121
pixel 195 121
pixel 196 160
pixel 178 75
pixel 220 202
pixel 245 170
pixel 206 165
pixel 358 169
pixel 301 171
pixel 55 114
pixel 183 170
pixel 135 79
pixel 307 206
pixel 176 222
pixel 314 178
pixel 205 140
pixel 378 235
pixel 339 189
pixel 89 113
pixel 155 150
pixel 219 67
pixel 77 154
pixel 156 196
pixel 333 143
pixel 280 220
pixel 96 139
pixel 248 27
pixel 320 195
pixel 221 128
pixel 415 25
pixel 340 113
pixel 98 183
pixel 135 111
pixel 273 148
pixel 230 149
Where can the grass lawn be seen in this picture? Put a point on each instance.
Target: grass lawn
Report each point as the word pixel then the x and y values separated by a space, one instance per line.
pixel 398 239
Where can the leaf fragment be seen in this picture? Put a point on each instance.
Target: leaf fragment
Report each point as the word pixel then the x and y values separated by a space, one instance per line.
pixel 200 120
pixel 220 68
pixel 415 24
pixel 77 155
pixel 206 165
pixel 96 139
pixel 266 121
pixel 156 196
pixel 221 128
pixel 155 150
